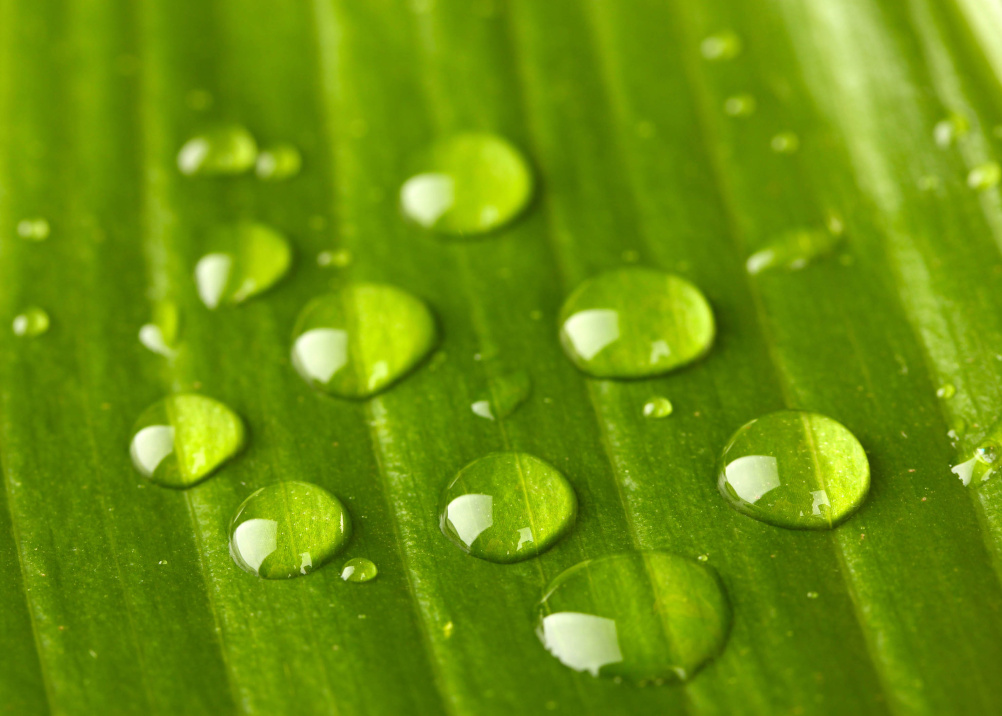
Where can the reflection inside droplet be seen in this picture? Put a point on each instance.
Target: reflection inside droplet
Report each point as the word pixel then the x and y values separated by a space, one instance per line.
pixel 150 446
pixel 321 353
pixel 753 476
pixel 211 274
pixel 584 642
pixel 253 541
pixel 426 197
pixel 591 331
pixel 469 515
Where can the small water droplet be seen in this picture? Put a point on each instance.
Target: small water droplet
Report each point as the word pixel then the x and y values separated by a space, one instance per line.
pixel 658 407
pixel 33 229
pixel 725 45
pixel 793 250
pixel 245 259
pixel 33 321
pixel 506 507
pixel 339 258
pixel 785 143
pixel 647 617
pixel 740 105
pixel 161 335
pixel 812 595
pixel 282 161
pixel 985 176
pixel 361 339
pixel 948 130
pixel 987 452
pixel 468 184
pixel 703 558
pixel 634 323
pixel 795 469
pixel 447 630
pixel 182 439
pixel 359 569
pixel 288 529
pixel 504 395
pixel 222 150
pixel 946 391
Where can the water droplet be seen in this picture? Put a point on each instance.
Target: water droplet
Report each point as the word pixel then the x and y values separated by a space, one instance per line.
pixel 182 439
pixel 946 391
pixel 282 161
pixel 812 595
pixel 950 129
pixel 785 143
pixel 634 323
pixel 222 150
pixel 658 407
pixel 468 184
pixel 361 339
pixel 793 250
pixel 161 335
pixel 740 105
pixel 33 229
pixel 339 258
pixel 724 45
pixel 505 394
pixel 794 469
pixel 987 453
pixel 359 569
pixel 506 507
pixel 34 321
pixel 245 260
pixel 985 176
pixel 288 529
pixel 647 617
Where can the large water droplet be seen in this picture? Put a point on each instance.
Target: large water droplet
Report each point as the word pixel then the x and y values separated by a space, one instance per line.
pixel 504 394
pixel 793 250
pixel 507 506
pixel 361 339
pixel 282 161
pixel 645 616
pixel 184 438
pixel 33 229
pixel 245 259
pixel 33 321
pixel 288 529
pixel 795 469
pixel 634 323
pixel 468 184
pixel 359 569
pixel 222 150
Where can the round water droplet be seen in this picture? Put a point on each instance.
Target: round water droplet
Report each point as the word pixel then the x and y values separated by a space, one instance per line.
pixel 985 176
pixel 644 616
pixel 245 259
pixel 785 143
pixel 361 339
pixel 181 440
pixel 506 507
pixel 946 391
pixel 359 569
pixel 793 250
pixel 33 229
pixel 282 161
pixel 219 151
pixel 812 595
pixel 795 469
pixel 504 395
pixel 288 529
pixel 740 105
pixel 658 407
pixel 987 452
pixel 635 323
pixel 468 184
pixel 33 321
pixel 948 130
pixel 724 45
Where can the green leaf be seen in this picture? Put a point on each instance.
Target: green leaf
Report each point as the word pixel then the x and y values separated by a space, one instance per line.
pixel 649 147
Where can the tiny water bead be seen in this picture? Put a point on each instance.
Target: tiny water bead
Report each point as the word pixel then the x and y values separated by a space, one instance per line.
pixel 359 569
pixel 182 439
pixel 33 229
pixel 361 339
pixel 658 407
pixel 338 259
pixel 984 464
pixel 948 130
pixel 635 323
pixel 288 529
pixel 946 391
pixel 282 161
pixel 985 176
pixel 33 321
pixel 793 250
pixel 741 105
pixel 246 259
pixel 795 469
pixel 219 151
pixel 725 45
pixel 643 616
pixel 507 506
pixel 468 184
pixel 505 394
pixel 785 143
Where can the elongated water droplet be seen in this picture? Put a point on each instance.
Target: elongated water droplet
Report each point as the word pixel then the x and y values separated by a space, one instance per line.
pixel 361 339
pixel 634 323
pixel 288 529
pixel 740 105
pixel 948 130
pixel 506 507
pixel 795 469
pixel 245 259
pixel 793 250
pixel 725 45
pixel 468 184
pixel 985 176
pixel 785 143
pixel 647 617
pixel 182 439
pixel 282 161
pixel 218 151
pixel 359 569
pixel 33 229
pixel 658 407
pixel 946 391
pixel 161 335
pixel 504 395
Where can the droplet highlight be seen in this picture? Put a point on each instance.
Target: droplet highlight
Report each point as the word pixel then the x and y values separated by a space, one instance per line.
pixel 504 395
pixel 793 250
pixel 161 335
pixel 217 152
pixel 245 260
pixel 33 321
pixel 359 569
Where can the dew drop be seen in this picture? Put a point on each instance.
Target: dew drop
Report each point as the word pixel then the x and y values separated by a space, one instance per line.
pixel 740 105
pixel 987 453
pixel 948 130
pixel 282 161
pixel 33 229
pixel 219 151
pixel 506 507
pixel 985 176
pixel 785 143
pixel 812 595
pixel 647 617
pixel 245 259
pixel 468 184
pixel 658 407
pixel 794 469
pixel 946 391
pixel 504 395
pixel 33 321
pixel 634 323
pixel 339 258
pixel 361 339
pixel 725 45
pixel 793 250
pixel 288 529
pixel 359 569
pixel 182 439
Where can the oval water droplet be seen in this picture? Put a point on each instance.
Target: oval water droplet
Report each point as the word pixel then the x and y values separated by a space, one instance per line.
pixel 359 569
pixel 785 143
pixel 33 229
pixel 635 323
pixel 647 617
pixel 946 391
pixel 218 151
pixel 985 176
pixel 245 259
pixel 33 321
pixel 288 529
pixel 505 393
pixel 182 439
pixel 795 469
pixel 793 250
pixel 740 105
pixel 948 130
pixel 658 407
pixel 468 184
pixel 725 45
pixel 506 507
pixel 361 339
pixel 282 161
